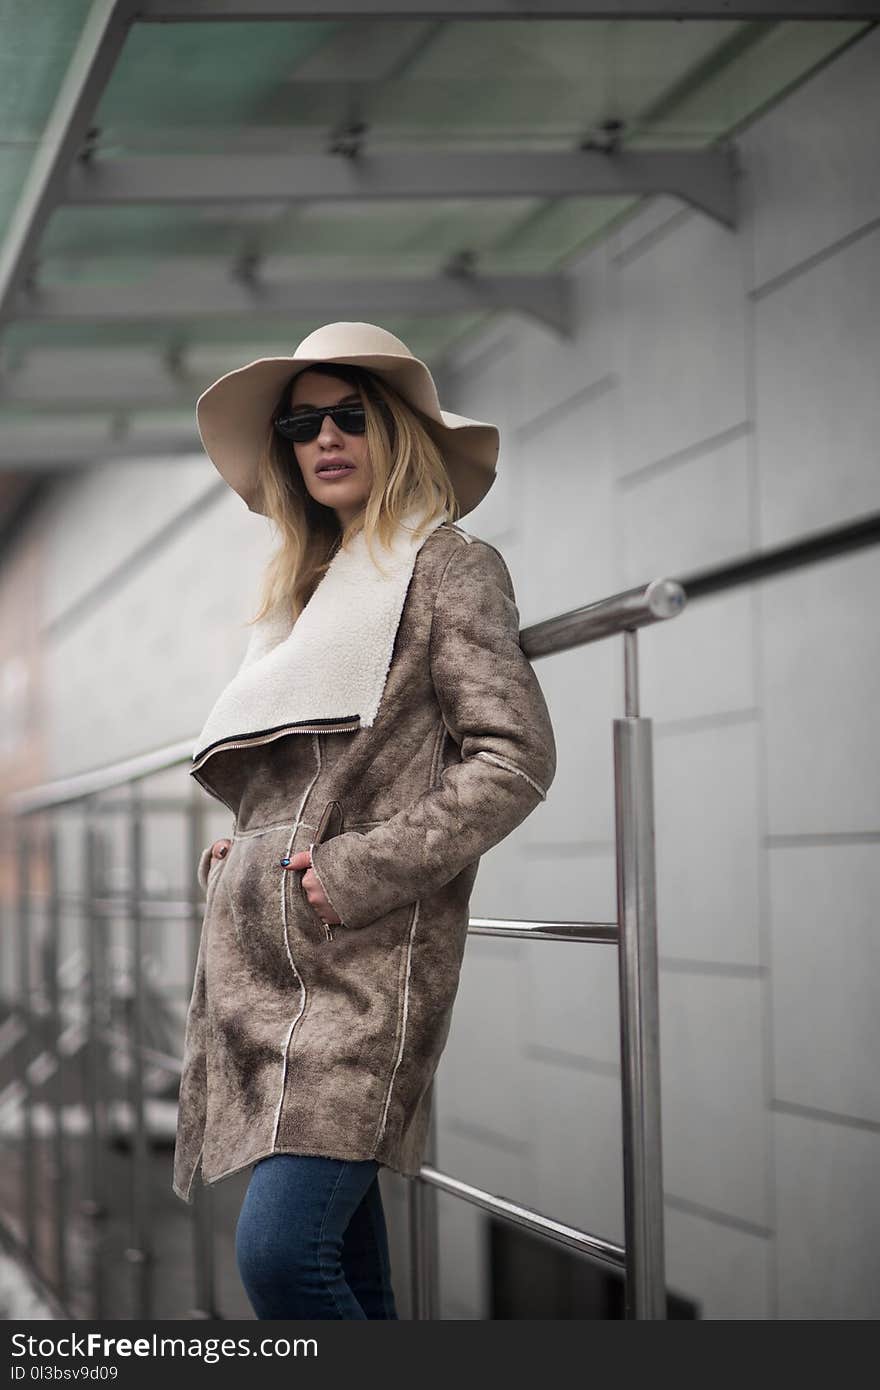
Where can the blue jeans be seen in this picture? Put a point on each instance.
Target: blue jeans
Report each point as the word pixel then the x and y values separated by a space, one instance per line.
pixel 311 1240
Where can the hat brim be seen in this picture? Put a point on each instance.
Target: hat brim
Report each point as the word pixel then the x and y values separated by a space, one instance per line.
pixel 233 417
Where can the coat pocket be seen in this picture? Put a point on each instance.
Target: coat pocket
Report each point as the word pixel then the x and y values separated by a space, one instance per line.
pixel 331 823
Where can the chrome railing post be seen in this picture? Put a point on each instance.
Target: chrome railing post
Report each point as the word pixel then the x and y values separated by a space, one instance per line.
pixel 423 1242
pixel 26 1010
pixel 53 987
pixel 93 1203
pixel 96 1075
pixel 203 1197
pixel 639 1002
pixel 138 1252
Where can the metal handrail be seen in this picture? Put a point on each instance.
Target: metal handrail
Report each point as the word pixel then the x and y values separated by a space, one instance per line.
pixel 51 795
pixel 601 932
pixel 648 603
pixel 635 934
pixel 593 1246
pixel 637 607
pixel 158 909
pixel 662 598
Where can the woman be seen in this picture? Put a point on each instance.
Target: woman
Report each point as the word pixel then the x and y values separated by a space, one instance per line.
pixel 383 731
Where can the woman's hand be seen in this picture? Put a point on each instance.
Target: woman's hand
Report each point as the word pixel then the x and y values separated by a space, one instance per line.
pixel 312 888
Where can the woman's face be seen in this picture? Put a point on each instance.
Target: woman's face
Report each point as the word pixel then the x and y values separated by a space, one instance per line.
pixel 346 491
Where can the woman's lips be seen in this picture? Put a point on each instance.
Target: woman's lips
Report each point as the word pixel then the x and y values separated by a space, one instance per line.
pixel 334 470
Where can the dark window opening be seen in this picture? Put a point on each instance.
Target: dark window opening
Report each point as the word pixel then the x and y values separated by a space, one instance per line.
pixel 534 1278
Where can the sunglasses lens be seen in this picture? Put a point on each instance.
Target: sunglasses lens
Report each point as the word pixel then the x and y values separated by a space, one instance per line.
pixel 302 429
pixel 351 418
pixel 299 428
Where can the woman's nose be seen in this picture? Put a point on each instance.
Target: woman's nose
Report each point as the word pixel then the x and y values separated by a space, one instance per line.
pixel 329 433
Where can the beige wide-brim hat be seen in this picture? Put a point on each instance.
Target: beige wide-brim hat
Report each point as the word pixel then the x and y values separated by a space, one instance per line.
pixel 235 412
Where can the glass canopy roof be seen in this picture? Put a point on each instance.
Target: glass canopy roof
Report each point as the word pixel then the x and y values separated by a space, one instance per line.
pixel 297 87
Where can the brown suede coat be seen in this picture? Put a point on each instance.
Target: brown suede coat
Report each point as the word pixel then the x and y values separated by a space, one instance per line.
pixel 301 1039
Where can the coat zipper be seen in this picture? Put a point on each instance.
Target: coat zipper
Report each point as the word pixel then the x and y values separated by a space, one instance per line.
pixel 268 738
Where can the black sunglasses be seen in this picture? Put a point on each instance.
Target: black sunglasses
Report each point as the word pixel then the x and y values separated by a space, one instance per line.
pixel 306 426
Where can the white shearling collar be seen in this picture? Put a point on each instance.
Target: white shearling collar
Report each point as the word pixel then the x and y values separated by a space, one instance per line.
pixel 330 668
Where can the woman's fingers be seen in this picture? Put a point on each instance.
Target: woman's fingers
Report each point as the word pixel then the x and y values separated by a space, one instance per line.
pixel 315 894
pixel 220 849
pixel 302 862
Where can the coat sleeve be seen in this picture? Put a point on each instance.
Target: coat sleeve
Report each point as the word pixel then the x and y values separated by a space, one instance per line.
pixel 494 709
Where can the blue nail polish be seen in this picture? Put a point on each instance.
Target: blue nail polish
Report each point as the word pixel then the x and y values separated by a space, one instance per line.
pixel 285 862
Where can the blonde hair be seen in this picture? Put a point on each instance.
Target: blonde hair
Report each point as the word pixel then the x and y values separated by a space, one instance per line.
pixel 408 473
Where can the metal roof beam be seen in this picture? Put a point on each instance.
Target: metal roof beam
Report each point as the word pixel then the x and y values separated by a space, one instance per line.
pixel 125 394
pixel 36 454
pixel 703 178
pixel 93 60
pixel 203 293
pixel 164 10
pixel 78 377
pixel 51 462
pixel 76 394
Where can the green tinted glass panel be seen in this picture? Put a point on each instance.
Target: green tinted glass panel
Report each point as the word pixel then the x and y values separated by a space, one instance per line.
pixel 150 229
pixel 409 84
pixel 204 74
pixel 14 164
pixel 37 41
pixel 758 68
